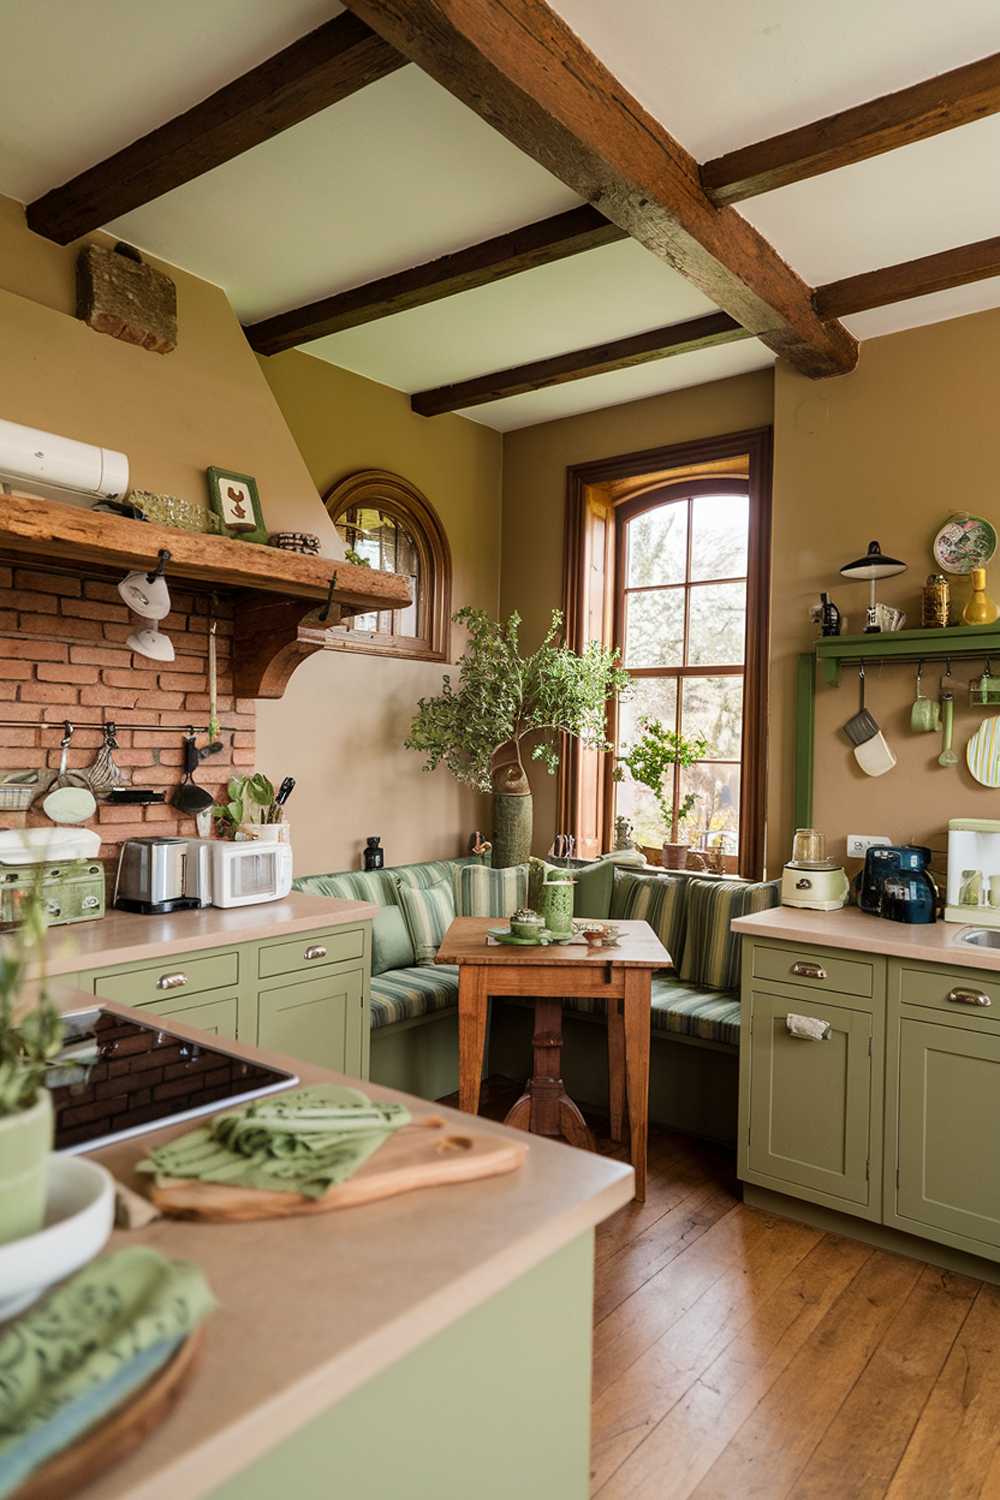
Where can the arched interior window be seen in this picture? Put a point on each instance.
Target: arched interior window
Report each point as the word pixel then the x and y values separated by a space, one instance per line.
pixel 385 521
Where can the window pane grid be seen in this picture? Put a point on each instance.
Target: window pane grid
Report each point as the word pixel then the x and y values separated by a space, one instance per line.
pixel 713 620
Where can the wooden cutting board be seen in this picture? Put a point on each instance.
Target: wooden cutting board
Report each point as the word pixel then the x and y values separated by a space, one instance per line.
pixel 119 1435
pixel 428 1153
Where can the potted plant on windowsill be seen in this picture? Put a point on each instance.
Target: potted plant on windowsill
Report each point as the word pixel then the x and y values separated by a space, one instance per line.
pixel 480 726
pixel 655 753
pixel 29 1040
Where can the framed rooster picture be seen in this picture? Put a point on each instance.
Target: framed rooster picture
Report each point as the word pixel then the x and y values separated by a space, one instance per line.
pixel 235 500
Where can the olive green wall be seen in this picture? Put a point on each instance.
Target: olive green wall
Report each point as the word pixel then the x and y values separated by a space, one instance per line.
pixel 344 716
pixel 534 497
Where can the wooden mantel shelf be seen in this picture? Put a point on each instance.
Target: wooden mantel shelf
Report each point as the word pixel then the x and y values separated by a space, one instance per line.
pixel 47 528
pixel 277 592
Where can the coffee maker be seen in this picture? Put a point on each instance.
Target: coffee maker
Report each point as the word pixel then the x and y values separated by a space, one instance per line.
pixel 895 884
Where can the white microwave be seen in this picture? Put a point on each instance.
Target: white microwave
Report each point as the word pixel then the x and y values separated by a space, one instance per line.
pixel 239 873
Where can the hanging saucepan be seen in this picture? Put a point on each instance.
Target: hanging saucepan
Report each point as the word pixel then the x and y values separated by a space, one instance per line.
pixel 68 802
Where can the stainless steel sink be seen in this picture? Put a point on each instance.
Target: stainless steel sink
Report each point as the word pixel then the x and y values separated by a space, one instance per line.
pixel 981 937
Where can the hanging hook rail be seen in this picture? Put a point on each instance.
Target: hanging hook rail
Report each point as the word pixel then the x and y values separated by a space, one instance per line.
pixel 181 729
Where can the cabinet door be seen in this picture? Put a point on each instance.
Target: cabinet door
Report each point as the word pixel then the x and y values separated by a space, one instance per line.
pixel 316 1019
pixel 810 1111
pixel 217 1017
pixel 949 1123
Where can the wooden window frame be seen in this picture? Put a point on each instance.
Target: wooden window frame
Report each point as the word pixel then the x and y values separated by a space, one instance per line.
pixel 589 592
pixel 398 498
pixel 676 492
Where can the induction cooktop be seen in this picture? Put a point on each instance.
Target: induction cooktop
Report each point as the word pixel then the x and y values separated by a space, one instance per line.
pixel 116 1077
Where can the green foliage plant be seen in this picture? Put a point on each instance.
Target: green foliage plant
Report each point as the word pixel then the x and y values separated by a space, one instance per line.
pixel 29 1042
pixel 245 795
pixel 502 698
pixel 656 751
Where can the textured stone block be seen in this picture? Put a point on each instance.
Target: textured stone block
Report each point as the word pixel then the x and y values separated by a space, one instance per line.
pixel 120 295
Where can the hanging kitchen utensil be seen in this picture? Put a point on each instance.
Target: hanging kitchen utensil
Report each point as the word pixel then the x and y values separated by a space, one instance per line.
pixel 188 798
pixel 104 775
pixel 861 726
pixel 66 802
pixel 984 692
pixel 925 715
pixel 982 753
pixel 213 673
pixel 948 756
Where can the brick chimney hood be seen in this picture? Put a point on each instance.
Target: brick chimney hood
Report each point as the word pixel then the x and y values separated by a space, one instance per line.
pixel 278 595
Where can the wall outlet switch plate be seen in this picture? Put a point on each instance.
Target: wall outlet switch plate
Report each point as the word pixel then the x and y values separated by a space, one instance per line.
pixel 858 844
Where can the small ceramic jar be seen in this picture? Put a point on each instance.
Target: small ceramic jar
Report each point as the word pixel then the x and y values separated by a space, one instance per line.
pixel 526 924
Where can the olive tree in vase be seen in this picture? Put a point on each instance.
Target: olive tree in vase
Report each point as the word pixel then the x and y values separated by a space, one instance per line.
pixel 481 726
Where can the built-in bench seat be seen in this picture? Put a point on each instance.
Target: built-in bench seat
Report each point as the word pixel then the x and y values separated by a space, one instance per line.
pixel 681 1009
pixel 408 994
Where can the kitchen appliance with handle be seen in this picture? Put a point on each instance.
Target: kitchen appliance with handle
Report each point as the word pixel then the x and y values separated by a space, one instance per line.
pixel 973 892
pixel 247 872
pixel 153 877
pixel 895 883
pixel 811 880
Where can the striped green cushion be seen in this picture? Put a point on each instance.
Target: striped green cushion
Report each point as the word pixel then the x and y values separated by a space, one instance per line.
pixel 660 900
pixel 688 1010
pixel 483 892
pixel 422 876
pixel 711 954
pixel 406 994
pixel 376 886
pixel 429 912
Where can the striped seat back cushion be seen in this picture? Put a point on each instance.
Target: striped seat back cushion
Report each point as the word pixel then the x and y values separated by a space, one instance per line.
pixel 711 950
pixel 429 911
pixel 660 900
pixel 484 892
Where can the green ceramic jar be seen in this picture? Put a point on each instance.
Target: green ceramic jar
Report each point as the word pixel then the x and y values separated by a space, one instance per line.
pixel 25 1144
pixel 555 905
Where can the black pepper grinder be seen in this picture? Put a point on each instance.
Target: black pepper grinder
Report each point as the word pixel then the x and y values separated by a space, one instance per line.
pixel 374 853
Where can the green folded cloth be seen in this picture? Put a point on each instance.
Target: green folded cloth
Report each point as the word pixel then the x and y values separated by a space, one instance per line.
pixel 300 1142
pixel 71 1359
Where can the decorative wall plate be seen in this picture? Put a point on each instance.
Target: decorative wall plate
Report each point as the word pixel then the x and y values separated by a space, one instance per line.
pixel 982 753
pixel 963 543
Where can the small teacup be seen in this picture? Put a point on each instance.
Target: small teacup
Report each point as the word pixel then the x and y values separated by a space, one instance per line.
pixel 527 926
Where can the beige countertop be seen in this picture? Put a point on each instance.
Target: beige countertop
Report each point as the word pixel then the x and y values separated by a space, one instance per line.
pixel 124 937
pixel 311 1308
pixel 935 942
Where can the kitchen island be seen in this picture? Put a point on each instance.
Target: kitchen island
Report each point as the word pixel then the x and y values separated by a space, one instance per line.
pixel 433 1345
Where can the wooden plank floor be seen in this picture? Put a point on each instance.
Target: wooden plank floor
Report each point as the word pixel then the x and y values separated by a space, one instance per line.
pixel 737 1354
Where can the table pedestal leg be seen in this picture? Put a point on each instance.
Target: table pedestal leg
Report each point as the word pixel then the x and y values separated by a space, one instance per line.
pixel 546 1108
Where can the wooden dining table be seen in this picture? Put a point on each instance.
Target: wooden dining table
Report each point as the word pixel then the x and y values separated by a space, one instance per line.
pixel 621 976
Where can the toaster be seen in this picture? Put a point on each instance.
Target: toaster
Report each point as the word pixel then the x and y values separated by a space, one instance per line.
pixel 154 876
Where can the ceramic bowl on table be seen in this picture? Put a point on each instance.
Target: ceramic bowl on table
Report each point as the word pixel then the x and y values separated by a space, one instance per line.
pixel 79 1214
pixel 526 924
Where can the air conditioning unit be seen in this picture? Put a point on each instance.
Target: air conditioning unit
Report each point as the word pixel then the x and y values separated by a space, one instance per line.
pixel 43 463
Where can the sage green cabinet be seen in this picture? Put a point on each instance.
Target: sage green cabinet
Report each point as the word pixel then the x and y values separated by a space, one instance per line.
pixel 947 1177
pixel 306 996
pixel 811 1105
pixel 217 1017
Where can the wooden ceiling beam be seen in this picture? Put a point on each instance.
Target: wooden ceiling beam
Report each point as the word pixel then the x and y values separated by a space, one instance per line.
pixel 910 278
pixel 521 68
pixel 912 114
pixel 523 249
pixel 619 354
pixel 318 70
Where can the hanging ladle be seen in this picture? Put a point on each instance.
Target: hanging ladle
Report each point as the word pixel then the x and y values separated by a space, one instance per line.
pixel 948 756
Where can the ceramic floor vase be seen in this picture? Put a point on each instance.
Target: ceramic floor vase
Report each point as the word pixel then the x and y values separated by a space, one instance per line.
pixel 513 816
pixel 25 1144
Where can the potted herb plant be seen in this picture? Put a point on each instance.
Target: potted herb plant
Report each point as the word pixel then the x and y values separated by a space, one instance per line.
pixel 480 727
pixel 251 809
pixel 654 754
pixel 29 1040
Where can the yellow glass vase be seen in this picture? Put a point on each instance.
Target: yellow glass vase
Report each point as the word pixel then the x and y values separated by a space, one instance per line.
pixel 980 610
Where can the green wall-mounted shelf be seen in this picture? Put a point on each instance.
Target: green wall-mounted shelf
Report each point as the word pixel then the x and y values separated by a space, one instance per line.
pixel 831 653
pixel 906 645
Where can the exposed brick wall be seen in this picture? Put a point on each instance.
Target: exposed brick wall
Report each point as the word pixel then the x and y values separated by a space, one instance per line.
pixel 63 656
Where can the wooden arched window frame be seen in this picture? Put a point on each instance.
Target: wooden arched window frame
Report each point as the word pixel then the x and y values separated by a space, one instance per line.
pixel 404 506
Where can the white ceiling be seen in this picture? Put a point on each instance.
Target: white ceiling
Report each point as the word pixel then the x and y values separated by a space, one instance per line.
pixel 401 172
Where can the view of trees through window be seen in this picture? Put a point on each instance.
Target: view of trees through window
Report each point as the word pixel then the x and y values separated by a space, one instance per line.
pixel 380 539
pixel 682 622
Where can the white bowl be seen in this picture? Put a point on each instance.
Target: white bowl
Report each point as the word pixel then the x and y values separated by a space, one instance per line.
pixel 79 1214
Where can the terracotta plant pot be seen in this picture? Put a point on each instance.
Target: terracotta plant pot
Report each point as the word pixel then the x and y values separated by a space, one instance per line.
pixel 674 856
pixel 25 1144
